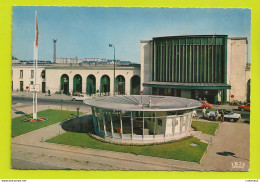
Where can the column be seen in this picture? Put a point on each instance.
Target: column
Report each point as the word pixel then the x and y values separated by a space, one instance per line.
pixel 173 125
pixel 143 124
pixel 132 125
pixel 84 84
pixel 111 120
pixel 121 125
pixel 104 123
pixel 70 83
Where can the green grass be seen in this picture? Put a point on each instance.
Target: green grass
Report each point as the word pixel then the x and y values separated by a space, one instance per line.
pixel 13 103
pixel 180 150
pixel 205 127
pixel 53 116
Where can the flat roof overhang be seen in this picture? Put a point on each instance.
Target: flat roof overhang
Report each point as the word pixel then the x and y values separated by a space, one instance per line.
pixel 204 86
pixel 142 103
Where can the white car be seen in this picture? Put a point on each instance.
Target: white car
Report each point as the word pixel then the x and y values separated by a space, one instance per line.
pixel 228 115
pixel 79 97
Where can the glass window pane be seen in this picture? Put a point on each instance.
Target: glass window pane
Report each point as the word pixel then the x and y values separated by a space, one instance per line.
pixel 149 120
pixel 100 119
pixel 137 122
pixel 126 121
pixel 116 121
pixel 108 121
pixel 160 125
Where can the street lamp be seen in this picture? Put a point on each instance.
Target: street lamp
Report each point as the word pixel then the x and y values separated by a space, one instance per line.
pixel 111 45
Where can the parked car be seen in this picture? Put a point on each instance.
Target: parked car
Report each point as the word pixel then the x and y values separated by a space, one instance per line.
pixel 228 115
pixel 205 105
pixel 244 107
pixel 79 97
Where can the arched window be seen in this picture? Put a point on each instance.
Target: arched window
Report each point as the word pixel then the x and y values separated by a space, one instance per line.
pixel 64 84
pixel 77 84
pixel 91 85
pixel 135 85
pixel 120 85
pixel 105 84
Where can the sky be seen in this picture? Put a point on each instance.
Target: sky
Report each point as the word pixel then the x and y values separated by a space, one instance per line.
pixel 88 31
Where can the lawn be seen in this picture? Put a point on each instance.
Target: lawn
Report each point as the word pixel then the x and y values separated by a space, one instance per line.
pixel 205 127
pixel 180 150
pixel 53 116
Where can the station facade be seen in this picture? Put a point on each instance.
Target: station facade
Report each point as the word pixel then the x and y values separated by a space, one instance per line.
pixel 199 66
pixel 66 79
pixel 214 67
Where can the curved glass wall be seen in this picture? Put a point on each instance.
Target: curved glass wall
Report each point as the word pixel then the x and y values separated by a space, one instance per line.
pixel 141 125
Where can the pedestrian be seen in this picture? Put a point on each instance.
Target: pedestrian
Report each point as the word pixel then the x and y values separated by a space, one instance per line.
pixel 49 93
pixel 78 111
pixel 222 115
pixel 204 112
pixel 217 113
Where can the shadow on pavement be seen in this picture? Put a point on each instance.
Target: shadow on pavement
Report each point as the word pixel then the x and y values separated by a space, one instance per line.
pixel 19 112
pixel 225 153
pixel 247 121
pixel 82 124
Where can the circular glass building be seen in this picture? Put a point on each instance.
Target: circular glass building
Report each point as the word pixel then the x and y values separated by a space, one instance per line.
pixel 142 117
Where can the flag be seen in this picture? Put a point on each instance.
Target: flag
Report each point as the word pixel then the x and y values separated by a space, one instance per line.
pixel 37 33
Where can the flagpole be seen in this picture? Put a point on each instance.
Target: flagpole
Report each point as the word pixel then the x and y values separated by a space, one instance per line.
pixel 34 72
pixel 35 68
pixel 36 60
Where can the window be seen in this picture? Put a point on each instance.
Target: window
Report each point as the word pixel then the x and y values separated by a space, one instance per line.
pixel 31 83
pixel 43 74
pixel 21 73
pixel 32 73
pixel 159 122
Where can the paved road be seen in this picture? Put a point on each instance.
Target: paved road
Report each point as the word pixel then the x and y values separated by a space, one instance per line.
pixel 28 164
pixel 46 101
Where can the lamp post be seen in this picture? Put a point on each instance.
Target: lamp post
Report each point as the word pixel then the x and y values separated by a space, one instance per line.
pixel 111 45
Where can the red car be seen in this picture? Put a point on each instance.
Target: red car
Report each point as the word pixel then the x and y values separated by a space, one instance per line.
pixel 244 107
pixel 205 105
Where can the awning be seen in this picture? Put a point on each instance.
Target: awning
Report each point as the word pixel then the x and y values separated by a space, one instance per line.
pixel 207 86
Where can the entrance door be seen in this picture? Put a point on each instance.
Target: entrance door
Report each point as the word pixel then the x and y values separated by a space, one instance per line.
pixel 121 89
pixel 43 87
pixel 21 86
pixel 105 88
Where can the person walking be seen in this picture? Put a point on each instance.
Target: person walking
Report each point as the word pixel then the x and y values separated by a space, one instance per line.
pixel 217 113
pixel 222 116
pixel 204 112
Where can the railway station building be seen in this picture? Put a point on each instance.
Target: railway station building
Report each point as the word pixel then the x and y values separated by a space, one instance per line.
pixel 197 66
pixel 214 67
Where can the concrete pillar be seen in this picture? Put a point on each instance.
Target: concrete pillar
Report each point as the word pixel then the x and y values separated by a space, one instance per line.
pixel 127 85
pixel 98 83
pixel 112 84
pixel 84 84
pixel 71 83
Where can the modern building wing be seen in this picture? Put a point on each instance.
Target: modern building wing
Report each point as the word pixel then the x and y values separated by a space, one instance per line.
pixel 193 66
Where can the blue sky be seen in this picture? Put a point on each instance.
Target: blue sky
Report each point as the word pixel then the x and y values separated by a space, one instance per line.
pixel 87 31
